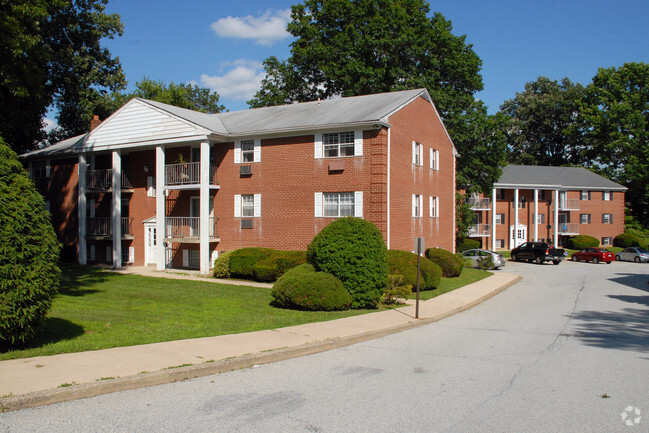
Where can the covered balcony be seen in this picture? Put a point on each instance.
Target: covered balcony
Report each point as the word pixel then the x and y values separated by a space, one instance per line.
pixel 187 174
pixel 568 204
pixel 568 229
pixel 479 203
pixel 187 229
pixel 479 230
pixel 101 228
pixel 102 180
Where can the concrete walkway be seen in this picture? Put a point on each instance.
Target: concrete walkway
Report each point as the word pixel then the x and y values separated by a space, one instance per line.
pixel 49 379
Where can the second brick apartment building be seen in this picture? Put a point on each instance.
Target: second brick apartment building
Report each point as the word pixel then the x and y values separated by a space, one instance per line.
pixel 161 185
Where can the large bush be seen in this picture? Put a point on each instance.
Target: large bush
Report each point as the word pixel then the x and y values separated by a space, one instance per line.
pixel 29 253
pixel 624 240
pixel 467 244
pixel 404 263
pixel 450 263
pixel 353 250
pixel 222 265
pixel 262 264
pixel 304 288
pixel 580 242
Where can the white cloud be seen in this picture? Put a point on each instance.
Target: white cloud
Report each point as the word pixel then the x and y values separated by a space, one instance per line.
pixel 49 124
pixel 265 29
pixel 241 82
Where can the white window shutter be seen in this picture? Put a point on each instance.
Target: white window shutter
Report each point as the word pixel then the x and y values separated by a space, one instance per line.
pixel 421 155
pixel 237 205
pixel 358 204
pixel 213 257
pixel 414 205
pixel 185 258
pixel 432 159
pixel 318 146
pixel 131 254
pixel 257 150
pixel 150 191
pixel 414 152
pixel 257 205
pixel 237 152
pixel 436 207
pixel 47 168
pixel 421 205
pixel 430 207
pixel 318 204
pixel 358 143
pixel 437 160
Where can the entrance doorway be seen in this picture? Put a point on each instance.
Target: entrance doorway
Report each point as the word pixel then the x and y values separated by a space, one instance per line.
pixel 517 236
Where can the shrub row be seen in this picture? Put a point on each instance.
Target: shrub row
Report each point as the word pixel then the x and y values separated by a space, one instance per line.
pixel 626 239
pixel 466 244
pixel 258 264
pixel 450 263
pixel 304 288
pixel 404 263
pixel 580 242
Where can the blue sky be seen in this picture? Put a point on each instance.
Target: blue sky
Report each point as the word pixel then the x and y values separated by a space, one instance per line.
pixel 221 44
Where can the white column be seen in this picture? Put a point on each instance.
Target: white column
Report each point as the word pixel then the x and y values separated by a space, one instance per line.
pixel 493 219
pixel 117 209
pixel 81 211
pixel 556 217
pixel 205 209
pixel 160 212
pixel 515 219
pixel 536 215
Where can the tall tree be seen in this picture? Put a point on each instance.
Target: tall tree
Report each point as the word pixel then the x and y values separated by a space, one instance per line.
pixel 52 56
pixel 355 47
pixel 182 95
pixel 543 127
pixel 616 115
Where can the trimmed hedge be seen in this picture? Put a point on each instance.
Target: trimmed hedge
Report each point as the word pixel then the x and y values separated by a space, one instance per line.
pixel 625 240
pixel 467 244
pixel 222 265
pixel 304 288
pixel 450 263
pixel 580 242
pixel 404 263
pixel 261 264
pixel 29 254
pixel 353 250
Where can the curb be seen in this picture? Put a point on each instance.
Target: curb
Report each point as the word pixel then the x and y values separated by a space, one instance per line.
pixel 75 392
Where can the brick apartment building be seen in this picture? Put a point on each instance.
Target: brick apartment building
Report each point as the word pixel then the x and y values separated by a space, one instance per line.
pixel 553 204
pixel 158 184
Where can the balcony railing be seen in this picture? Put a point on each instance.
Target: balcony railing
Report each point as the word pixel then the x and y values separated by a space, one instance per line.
pixel 569 204
pixel 103 179
pixel 480 230
pixel 188 173
pixel 568 228
pixel 479 204
pixel 187 227
pixel 103 226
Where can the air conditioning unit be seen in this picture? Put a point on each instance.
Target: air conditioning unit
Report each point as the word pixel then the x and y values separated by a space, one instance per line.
pixel 246 224
pixel 245 170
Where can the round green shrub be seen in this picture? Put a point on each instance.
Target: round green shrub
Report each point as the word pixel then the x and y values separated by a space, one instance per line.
pixel 404 263
pixel 222 265
pixel 467 244
pixel 580 242
pixel 353 250
pixel 29 254
pixel 625 240
pixel 450 263
pixel 262 264
pixel 304 288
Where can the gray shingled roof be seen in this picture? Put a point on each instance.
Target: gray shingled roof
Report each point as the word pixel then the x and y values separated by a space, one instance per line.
pixel 62 148
pixel 546 177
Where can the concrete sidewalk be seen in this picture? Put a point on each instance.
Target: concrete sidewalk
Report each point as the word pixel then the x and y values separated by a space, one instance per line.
pixel 50 379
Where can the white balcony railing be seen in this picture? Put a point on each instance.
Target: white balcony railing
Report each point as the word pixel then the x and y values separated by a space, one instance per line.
pixel 187 227
pixel 103 179
pixel 480 230
pixel 569 204
pixel 188 173
pixel 479 204
pixel 568 228
pixel 103 226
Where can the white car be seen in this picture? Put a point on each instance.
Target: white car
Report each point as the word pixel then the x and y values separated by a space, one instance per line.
pixel 478 254
pixel 633 254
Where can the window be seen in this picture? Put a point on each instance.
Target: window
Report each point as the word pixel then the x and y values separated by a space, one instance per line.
pixel 248 151
pixel 150 186
pixel 540 218
pixel 433 207
pixel 607 195
pixel 500 243
pixel 607 218
pixel 500 194
pixel 339 204
pixel 521 203
pixel 417 201
pixel 607 241
pixel 434 159
pixel 417 153
pixel 338 144
pixel 500 218
pixel 40 169
pixel 584 218
pixel 247 205
pixel 585 195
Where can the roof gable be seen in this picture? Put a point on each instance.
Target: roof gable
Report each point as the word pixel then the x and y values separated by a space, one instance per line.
pixel 549 177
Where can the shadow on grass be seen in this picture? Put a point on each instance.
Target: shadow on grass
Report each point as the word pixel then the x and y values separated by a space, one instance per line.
pixel 76 279
pixel 52 331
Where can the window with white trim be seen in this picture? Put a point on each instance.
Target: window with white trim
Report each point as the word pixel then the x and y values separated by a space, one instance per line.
pixel 500 218
pixel 500 194
pixel 607 240
pixel 247 151
pixel 540 218
pixel 433 207
pixel 434 159
pixel 607 195
pixel 500 243
pixel 585 195
pixel 417 153
pixel 337 144
pixel 584 218
pixel 247 205
pixel 607 218
pixel 40 169
pixel 339 204
pixel 417 202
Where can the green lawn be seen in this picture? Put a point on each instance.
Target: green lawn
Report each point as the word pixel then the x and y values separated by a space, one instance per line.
pixel 98 309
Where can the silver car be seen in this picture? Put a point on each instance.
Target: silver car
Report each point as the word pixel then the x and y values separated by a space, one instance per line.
pixel 477 254
pixel 633 254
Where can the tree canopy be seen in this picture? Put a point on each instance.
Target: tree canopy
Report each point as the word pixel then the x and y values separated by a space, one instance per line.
pixel 52 56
